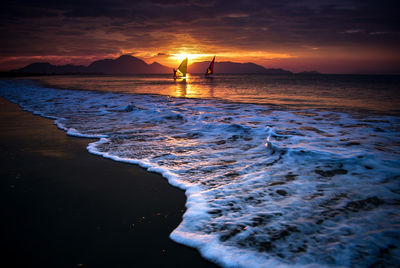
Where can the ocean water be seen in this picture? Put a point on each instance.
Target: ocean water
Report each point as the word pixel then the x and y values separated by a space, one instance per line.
pixel 279 171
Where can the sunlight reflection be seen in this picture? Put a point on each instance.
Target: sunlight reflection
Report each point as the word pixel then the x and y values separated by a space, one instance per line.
pixel 180 88
pixel 193 87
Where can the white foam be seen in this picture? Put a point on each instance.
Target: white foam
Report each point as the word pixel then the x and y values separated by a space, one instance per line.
pixel 264 187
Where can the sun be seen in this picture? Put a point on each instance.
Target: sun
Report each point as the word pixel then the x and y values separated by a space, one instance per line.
pixel 191 57
pixel 182 56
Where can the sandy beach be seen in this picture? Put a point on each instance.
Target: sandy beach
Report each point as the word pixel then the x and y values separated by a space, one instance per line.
pixel 64 207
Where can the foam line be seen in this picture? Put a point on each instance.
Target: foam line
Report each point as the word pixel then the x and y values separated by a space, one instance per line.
pixel 315 188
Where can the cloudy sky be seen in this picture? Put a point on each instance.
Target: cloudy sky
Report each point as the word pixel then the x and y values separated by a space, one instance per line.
pixel 358 36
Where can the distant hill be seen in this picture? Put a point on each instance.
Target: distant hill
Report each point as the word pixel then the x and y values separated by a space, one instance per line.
pixel 125 64
pixel 160 69
pixel 47 68
pixel 234 68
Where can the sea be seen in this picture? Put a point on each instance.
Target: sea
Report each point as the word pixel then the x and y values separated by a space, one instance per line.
pixel 278 170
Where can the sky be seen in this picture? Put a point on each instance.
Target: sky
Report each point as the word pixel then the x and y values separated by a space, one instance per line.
pixel 358 36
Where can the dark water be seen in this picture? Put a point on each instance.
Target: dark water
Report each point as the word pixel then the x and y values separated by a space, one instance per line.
pixel 277 170
pixel 354 92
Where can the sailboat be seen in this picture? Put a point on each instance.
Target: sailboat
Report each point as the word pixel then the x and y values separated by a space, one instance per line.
pixel 181 71
pixel 210 69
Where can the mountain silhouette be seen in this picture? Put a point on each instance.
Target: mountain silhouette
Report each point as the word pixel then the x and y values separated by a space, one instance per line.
pixel 127 64
pixel 47 68
pixel 160 69
pixel 228 67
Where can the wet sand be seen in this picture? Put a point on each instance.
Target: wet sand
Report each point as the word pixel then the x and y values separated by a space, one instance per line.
pixel 64 207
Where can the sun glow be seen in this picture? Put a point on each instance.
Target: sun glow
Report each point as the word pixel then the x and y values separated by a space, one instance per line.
pixel 191 57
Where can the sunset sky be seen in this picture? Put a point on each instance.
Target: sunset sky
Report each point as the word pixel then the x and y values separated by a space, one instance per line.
pixel 327 36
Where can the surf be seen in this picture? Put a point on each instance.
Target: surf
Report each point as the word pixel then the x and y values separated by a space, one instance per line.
pixel 264 186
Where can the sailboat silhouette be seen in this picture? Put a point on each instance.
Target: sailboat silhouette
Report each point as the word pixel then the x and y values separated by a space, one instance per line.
pixel 210 69
pixel 181 71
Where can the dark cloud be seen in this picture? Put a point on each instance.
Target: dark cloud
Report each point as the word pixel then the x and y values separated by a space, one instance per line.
pixel 108 27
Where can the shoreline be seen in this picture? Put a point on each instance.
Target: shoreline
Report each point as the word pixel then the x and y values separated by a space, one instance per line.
pixel 66 207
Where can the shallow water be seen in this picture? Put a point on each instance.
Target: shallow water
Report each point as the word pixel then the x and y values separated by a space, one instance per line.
pixel 284 182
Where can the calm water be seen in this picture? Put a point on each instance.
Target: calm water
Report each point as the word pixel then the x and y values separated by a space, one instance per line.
pixel 278 170
pixel 379 93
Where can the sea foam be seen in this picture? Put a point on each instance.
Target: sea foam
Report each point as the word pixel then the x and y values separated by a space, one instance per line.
pixel 265 186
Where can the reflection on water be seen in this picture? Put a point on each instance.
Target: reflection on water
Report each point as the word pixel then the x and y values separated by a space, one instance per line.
pixel 181 88
pixel 185 88
pixel 379 93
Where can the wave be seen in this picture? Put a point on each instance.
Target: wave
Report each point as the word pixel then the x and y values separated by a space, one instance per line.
pixel 265 187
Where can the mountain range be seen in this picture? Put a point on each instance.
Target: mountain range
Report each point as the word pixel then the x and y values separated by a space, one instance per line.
pixel 127 64
pixel 228 67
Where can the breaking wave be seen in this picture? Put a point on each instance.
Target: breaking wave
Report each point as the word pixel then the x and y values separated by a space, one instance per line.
pixel 265 187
